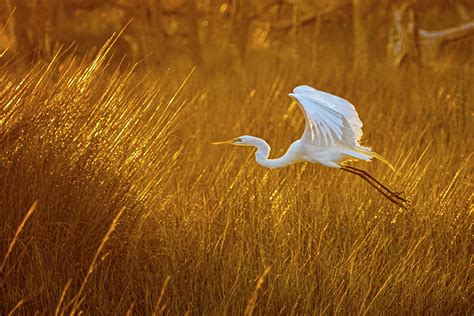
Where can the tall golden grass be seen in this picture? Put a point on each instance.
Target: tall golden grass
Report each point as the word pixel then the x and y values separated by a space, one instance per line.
pixel 114 201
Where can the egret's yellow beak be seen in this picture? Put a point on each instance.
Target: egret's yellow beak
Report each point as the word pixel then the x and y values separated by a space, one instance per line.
pixel 234 141
pixel 224 142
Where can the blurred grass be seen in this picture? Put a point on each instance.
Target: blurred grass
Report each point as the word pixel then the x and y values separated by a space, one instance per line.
pixel 204 229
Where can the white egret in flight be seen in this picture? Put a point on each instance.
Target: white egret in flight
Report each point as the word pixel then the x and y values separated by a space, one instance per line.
pixel 331 138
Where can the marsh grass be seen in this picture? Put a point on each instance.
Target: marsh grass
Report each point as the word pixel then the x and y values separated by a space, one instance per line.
pixel 137 213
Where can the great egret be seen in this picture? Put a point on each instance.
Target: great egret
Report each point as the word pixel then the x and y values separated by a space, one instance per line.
pixel 331 138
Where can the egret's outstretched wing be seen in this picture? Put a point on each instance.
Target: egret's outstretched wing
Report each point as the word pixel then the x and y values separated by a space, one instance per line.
pixel 329 119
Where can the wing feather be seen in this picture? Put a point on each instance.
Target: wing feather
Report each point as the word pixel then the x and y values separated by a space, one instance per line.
pixel 329 118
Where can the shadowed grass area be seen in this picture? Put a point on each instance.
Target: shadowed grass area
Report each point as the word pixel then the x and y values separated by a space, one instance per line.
pixel 132 208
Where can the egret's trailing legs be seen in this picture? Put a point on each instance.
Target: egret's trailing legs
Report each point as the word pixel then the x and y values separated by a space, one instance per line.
pixel 396 194
pixel 392 196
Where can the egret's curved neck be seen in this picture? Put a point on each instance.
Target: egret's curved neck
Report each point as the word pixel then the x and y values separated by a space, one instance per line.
pixel 263 151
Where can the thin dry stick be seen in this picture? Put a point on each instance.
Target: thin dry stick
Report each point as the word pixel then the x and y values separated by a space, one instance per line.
pixel 76 300
pixel 17 234
pixel 157 310
pixel 253 298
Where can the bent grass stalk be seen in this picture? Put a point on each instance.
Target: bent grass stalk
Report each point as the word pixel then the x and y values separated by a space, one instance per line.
pixel 61 299
pixel 17 306
pixel 159 309
pixel 78 299
pixel 17 234
pixel 249 309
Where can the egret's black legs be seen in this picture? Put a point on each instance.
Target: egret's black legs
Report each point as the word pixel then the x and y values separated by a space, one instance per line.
pixel 364 175
pixel 395 194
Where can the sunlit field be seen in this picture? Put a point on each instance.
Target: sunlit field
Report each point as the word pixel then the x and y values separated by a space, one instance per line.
pixel 114 201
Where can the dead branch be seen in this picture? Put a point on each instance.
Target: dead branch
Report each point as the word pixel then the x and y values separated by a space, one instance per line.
pixel 309 17
pixel 449 34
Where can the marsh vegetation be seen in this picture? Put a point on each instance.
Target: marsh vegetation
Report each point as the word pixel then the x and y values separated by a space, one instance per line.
pixel 114 201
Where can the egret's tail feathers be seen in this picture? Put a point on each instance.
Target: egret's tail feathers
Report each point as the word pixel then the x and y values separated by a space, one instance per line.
pixel 366 153
pixel 359 153
pixel 385 161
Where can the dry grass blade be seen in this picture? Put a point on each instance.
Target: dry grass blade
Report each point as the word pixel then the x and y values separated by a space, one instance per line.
pixel 249 309
pixel 17 234
pixel 57 311
pixel 17 306
pixel 76 301
pixel 159 309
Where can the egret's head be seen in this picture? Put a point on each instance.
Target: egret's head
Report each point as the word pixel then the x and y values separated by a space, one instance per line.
pixel 263 149
pixel 244 140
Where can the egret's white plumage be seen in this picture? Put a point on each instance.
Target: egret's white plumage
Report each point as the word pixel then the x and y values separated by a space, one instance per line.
pixel 331 137
pixel 329 118
pixel 333 128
